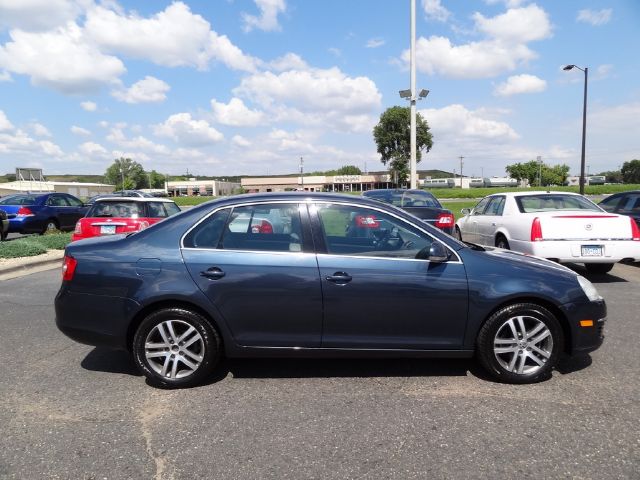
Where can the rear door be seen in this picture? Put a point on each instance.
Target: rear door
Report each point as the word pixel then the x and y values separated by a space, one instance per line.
pixel 256 265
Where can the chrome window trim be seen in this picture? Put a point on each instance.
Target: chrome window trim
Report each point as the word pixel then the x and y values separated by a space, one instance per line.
pixel 309 202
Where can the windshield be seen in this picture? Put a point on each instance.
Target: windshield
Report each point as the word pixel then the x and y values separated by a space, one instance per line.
pixel 18 200
pixel 551 202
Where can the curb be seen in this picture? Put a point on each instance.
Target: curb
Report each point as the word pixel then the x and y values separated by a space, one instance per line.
pixel 32 265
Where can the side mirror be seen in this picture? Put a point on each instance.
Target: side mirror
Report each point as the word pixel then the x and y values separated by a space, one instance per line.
pixel 465 211
pixel 438 253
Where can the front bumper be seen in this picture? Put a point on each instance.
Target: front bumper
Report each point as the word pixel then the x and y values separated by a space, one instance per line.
pixel 586 337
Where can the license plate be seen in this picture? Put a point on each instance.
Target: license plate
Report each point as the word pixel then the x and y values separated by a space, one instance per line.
pixel 107 229
pixel 591 250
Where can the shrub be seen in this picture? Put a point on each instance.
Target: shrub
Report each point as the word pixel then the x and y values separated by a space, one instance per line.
pixel 21 248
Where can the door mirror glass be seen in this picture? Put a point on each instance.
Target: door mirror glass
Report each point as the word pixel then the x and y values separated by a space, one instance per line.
pixel 438 253
pixel 465 211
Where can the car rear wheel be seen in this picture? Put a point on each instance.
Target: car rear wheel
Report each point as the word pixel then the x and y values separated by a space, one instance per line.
pixel 51 226
pixel 599 267
pixel 502 242
pixel 520 343
pixel 176 348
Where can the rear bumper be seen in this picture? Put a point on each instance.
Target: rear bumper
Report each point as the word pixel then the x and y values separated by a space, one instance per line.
pixel 25 225
pixel 571 251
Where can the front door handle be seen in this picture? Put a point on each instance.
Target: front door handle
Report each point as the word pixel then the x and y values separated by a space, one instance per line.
pixel 214 273
pixel 339 278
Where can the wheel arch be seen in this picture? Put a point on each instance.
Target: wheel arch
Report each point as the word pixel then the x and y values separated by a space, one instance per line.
pixel 553 308
pixel 172 303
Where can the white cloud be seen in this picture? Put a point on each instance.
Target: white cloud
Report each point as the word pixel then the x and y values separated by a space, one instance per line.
pixel 147 90
pixel 61 59
pixel 236 114
pixel 16 143
pixel 296 142
pixel 323 97
pixel 5 124
pixel 89 106
pixel 518 25
pixel 508 3
pixel 268 19
pixel 375 42
pixel 173 37
pixel 37 15
pixel 290 61
pixel 139 143
pixel 434 10
pixel 518 84
pixel 80 131
pixel 240 141
pixel 456 122
pixel 183 129
pixel 5 76
pixel 40 130
pixel 594 17
pixel 93 149
pixel 504 48
pixel 437 56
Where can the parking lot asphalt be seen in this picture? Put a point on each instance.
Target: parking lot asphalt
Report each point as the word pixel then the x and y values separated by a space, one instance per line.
pixel 74 411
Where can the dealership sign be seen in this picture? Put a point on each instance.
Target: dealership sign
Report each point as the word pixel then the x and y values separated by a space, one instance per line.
pixel 347 179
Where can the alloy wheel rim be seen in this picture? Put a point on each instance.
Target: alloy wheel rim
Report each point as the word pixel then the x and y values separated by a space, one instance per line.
pixel 174 349
pixel 523 345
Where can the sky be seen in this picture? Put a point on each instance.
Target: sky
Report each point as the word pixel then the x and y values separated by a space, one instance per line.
pixel 248 87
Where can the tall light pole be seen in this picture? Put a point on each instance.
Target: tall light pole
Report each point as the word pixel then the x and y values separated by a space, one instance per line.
pixel 461 158
pixel 414 182
pixel 585 70
pixel 302 173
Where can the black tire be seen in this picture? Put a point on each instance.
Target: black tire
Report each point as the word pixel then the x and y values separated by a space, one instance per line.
pixel 599 267
pixel 50 226
pixel 501 242
pixel 457 233
pixel 171 324
pixel 520 361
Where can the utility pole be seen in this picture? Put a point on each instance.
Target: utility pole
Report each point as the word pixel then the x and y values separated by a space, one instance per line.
pixel 539 171
pixel 461 170
pixel 302 172
pixel 413 160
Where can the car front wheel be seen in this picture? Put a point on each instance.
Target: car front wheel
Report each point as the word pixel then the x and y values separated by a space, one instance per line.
pixel 176 348
pixel 520 343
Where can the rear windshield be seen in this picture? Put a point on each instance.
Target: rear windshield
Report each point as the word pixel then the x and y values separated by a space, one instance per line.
pixel 405 199
pixel 122 209
pixel 549 202
pixel 18 200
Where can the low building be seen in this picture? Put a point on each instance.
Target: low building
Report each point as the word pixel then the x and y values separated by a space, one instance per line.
pixel 216 188
pixel 317 183
pixel 78 189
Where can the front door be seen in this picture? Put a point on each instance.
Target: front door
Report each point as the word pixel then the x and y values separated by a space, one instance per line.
pixel 377 294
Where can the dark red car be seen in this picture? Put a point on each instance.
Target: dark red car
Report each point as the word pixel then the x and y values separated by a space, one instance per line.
pixel 113 215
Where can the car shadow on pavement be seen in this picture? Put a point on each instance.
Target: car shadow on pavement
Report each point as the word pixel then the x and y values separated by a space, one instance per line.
pixel 109 361
pixel 341 368
pixel 568 364
pixel 596 277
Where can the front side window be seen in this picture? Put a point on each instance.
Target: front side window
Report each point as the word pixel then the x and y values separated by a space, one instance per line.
pixel 495 206
pixel 352 230
pixel 479 208
pixel 74 202
pixel 631 204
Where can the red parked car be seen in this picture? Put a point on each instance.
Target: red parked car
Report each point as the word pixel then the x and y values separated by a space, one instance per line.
pixel 112 215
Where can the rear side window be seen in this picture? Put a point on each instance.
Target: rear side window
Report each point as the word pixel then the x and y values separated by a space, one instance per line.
pixel 207 234
pixel 73 201
pixel 116 209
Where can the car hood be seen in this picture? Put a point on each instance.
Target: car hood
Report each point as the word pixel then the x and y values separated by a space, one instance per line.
pixel 517 257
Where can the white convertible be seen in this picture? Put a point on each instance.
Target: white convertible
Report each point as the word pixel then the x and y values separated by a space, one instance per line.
pixel 562 226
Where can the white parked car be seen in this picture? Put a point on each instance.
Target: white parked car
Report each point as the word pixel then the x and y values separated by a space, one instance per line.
pixel 561 226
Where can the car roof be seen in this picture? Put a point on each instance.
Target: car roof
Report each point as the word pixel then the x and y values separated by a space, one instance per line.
pixel 133 199
pixel 539 192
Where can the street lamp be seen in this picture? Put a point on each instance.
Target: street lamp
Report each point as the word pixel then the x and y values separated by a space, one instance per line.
pixel 584 121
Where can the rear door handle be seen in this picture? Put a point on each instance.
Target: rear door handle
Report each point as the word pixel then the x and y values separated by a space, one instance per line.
pixel 214 273
pixel 339 278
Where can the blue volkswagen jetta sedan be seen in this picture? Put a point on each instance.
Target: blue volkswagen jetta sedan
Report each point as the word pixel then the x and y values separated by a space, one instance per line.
pixel 319 275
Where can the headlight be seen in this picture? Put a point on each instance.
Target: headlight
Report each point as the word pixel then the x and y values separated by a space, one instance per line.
pixel 588 288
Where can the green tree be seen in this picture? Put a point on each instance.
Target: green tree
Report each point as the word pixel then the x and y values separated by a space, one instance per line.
pixel 538 175
pixel 126 174
pixel 392 137
pixel 155 179
pixel 349 170
pixel 631 171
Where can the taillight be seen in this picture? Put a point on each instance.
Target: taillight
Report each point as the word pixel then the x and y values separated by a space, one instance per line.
pixel 142 226
pixel 78 229
pixel 24 212
pixel 68 268
pixel 536 230
pixel 444 220
pixel 635 231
